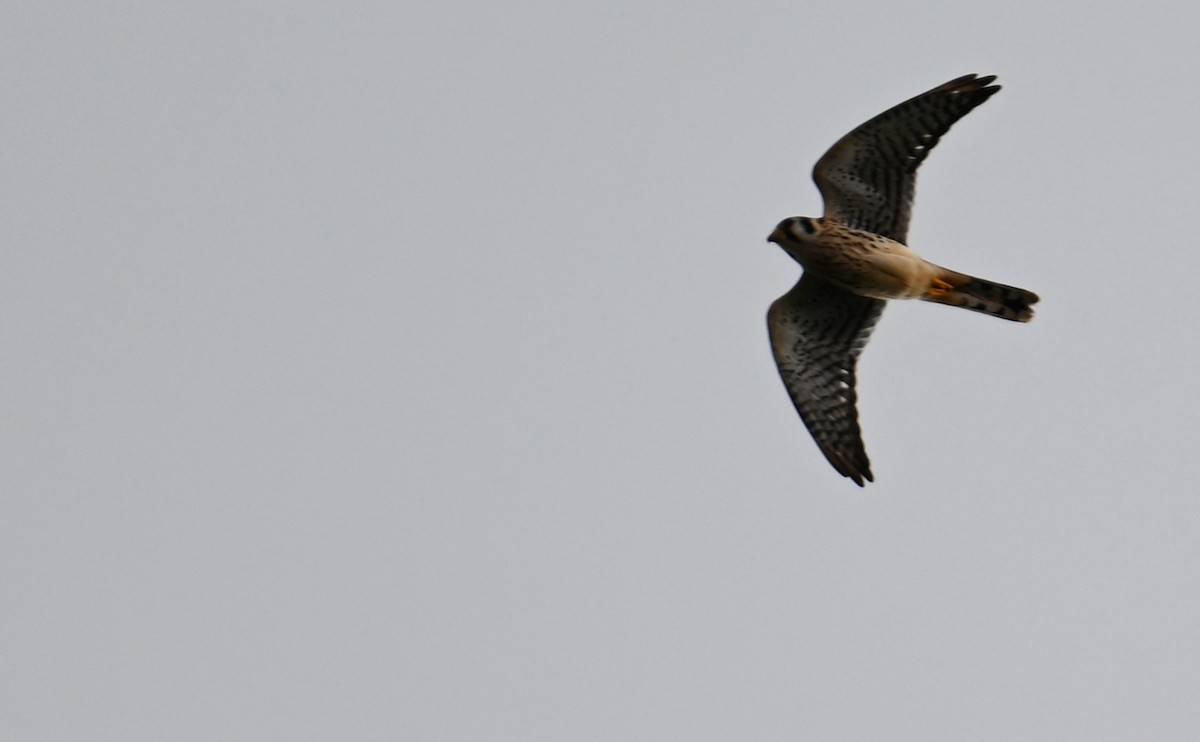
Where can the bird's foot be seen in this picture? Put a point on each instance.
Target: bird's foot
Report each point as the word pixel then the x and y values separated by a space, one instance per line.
pixel 938 287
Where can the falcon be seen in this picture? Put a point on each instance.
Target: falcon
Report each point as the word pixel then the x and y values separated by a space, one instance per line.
pixel 856 257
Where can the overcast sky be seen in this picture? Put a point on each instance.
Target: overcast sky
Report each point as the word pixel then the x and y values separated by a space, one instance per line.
pixel 398 371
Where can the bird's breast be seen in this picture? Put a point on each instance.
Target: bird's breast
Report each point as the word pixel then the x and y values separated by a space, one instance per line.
pixel 868 265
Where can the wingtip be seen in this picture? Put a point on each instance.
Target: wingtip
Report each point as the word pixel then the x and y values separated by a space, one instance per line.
pixel 972 89
pixel 858 476
pixel 971 83
pixel 855 471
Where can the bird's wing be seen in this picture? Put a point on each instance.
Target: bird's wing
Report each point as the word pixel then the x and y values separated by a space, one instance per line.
pixel 867 178
pixel 817 332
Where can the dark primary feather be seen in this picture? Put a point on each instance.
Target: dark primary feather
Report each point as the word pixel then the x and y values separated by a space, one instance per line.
pixel 868 177
pixel 817 331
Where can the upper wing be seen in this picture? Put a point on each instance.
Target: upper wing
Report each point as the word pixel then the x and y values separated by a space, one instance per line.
pixel 817 331
pixel 867 178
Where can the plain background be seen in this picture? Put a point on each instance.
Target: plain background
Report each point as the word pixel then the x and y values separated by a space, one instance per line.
pixel 398 371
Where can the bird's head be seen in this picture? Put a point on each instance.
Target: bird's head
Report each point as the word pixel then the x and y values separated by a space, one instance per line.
pixel 794 229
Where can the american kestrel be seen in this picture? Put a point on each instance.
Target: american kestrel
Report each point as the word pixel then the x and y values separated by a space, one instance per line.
pixel 855 258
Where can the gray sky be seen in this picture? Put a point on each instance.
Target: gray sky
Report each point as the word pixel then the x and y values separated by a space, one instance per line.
pixel 399 372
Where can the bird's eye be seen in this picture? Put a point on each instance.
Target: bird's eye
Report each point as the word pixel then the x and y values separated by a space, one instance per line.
pixel 805 224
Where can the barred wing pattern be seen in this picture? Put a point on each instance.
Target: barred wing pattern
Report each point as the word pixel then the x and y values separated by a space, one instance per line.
pixel 868 177
pixel 817 331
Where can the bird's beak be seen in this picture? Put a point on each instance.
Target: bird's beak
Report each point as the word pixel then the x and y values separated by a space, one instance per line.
pixel 776 236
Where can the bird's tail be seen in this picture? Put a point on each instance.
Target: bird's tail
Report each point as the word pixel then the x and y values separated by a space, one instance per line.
pixel 976 294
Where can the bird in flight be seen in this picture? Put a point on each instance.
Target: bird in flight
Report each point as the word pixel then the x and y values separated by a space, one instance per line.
pixel 855 258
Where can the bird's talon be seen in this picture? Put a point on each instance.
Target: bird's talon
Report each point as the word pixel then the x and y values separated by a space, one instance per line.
pixel 939 287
